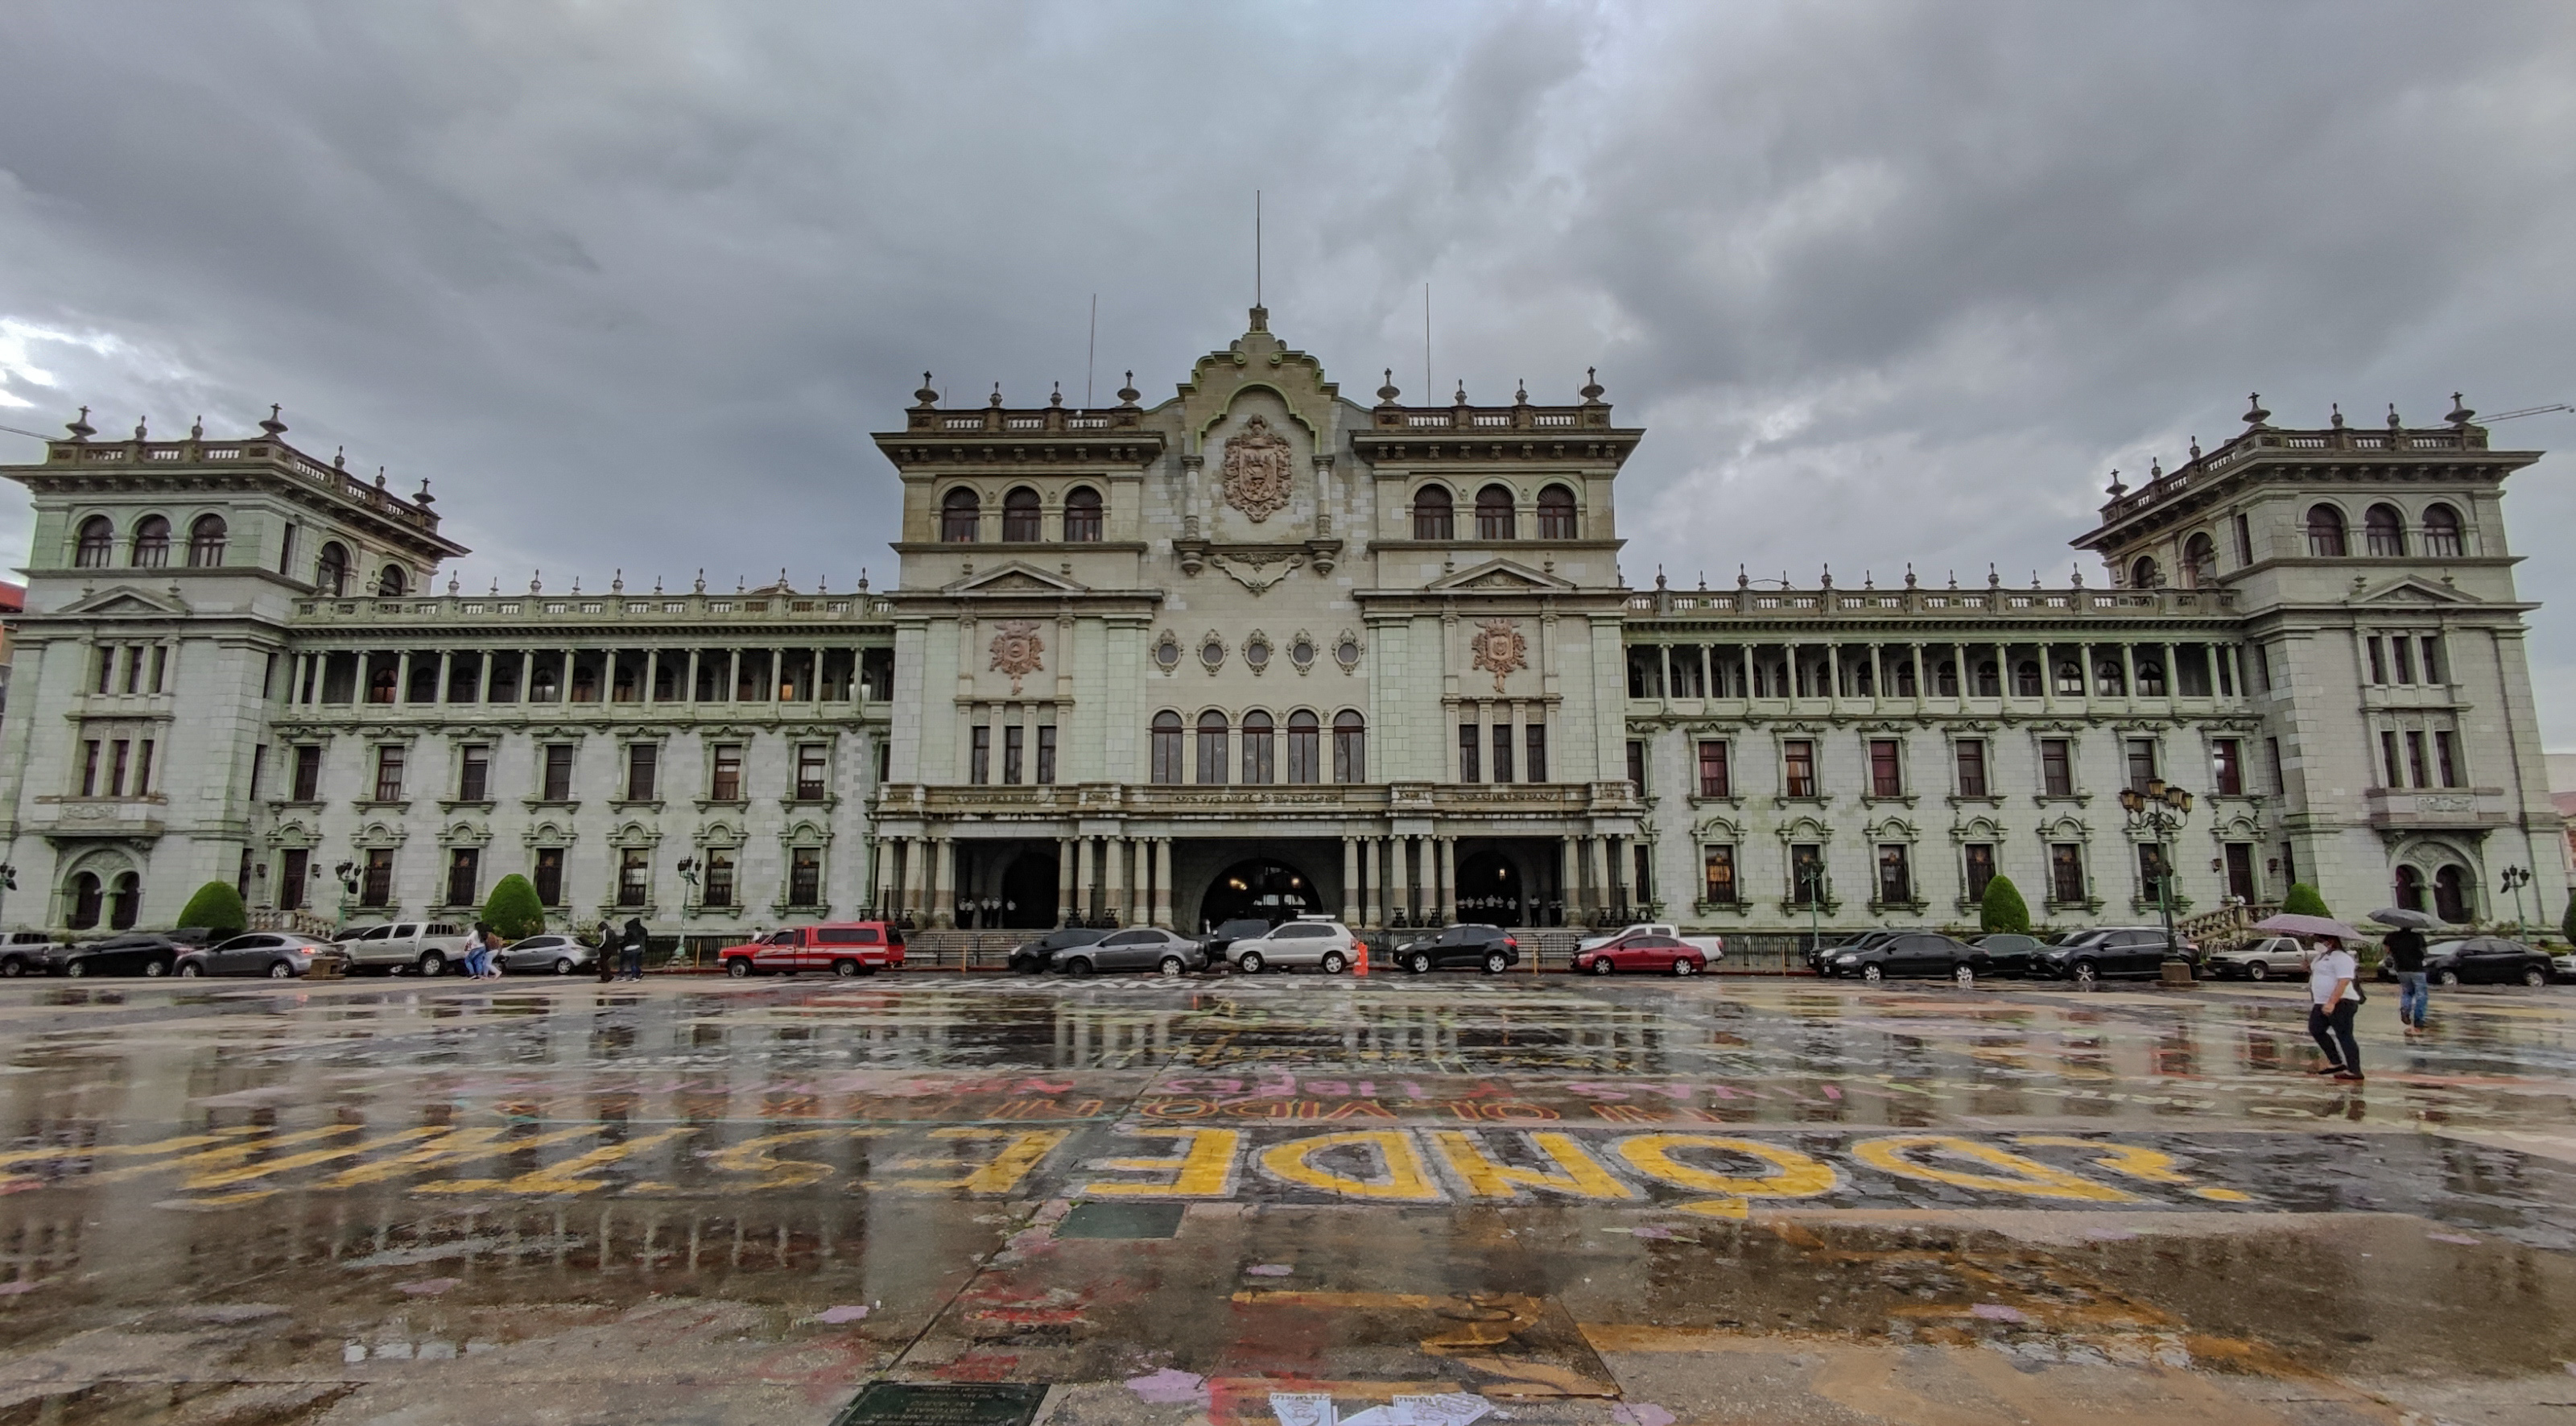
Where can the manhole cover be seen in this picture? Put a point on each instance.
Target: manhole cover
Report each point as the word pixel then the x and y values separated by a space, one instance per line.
pixel 943 1403
pixel 1120 1220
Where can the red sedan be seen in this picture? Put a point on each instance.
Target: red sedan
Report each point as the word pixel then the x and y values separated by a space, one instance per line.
pixel 1643 951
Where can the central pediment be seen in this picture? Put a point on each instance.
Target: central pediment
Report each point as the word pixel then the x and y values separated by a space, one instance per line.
pixel 1502 576
pixel 1015 577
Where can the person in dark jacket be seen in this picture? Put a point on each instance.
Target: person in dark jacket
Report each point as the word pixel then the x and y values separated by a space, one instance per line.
pixel 2405 951
pixel 634 940
pixel 606 955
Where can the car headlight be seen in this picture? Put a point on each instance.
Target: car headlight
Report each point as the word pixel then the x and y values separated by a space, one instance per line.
pixel 1845 959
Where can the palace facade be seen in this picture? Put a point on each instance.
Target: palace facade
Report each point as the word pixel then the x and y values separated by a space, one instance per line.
pixel 1262 646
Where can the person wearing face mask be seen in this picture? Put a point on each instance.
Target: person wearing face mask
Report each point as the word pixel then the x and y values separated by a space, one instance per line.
pixel 2334 998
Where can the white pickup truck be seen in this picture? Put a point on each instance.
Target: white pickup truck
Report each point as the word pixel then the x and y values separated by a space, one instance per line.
pixel 429 947
pixel 1714 947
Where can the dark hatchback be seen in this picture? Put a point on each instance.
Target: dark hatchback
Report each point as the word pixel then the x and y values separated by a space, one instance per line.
pixel 2484 960
pixel 1910 954
pixel 1034 957
pixel 2106 953
pixel 2005 953
pixel 146 953
pixel 1821 956
pixel 1486 948
pixel 1219 942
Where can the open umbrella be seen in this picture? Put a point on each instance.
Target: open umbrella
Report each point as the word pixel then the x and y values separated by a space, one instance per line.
pixel 2398 916
pixel 2297 925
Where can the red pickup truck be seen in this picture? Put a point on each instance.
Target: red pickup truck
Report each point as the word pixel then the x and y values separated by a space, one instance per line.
pixel 845 948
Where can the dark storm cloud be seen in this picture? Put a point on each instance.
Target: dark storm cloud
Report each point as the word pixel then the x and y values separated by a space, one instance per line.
pixel 1889 283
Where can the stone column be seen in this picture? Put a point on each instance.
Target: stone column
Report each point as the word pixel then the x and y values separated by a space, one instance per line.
pixel 1113 878
pixel 733 675
pixel 1064 882
pixel 1569 878
pixel 777 690
pixel 1163 881
pixel 1449 880
pixel 2173 677
pixel 1399 879
pixel 943 882
pixel 1596 891
pixel 909 898
pixel 889 895
pixel 652 668
pixel 1350 880
pixel 1082 853
pixel 691 695
pixel 1745 665
pixel 446 668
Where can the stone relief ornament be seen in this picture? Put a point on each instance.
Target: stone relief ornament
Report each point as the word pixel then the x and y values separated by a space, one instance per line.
pixel 1257 574
pixel 1018 651
pixel 1500 650
pixel 1257 470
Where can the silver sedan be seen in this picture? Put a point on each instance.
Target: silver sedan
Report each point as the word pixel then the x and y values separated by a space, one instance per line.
pixel 561 955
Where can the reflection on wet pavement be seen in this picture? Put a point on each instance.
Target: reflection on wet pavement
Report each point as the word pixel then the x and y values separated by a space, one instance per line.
pixel 1174 1201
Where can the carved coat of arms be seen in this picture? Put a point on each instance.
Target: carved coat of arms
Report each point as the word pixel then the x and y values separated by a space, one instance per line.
pixel 1499 648
pixel 1018 651
pixel 1257 473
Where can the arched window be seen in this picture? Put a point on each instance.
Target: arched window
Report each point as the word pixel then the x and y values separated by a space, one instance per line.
pixel 959 515
pixel 2070 680
pixel 2199 562
pixel 1305 747
pixel 1082 514
pixel 1260 749
pixel 1990 679
pixel 85 901
pixel 1020 516
pixel 151 542
pixel 206 542
pixel 1212 732
pixel 2151 679
pixel 2410 889
pixel 1556 513
pixel 2144 575
pixel 97 547
pixel 1495 516
pixel 2451 894
pixel 2442 532
pixel 125 904
pixel 1432 519
pixel 331 571
pixel 2026 679
pixel 1167 748
pixel 2325 532
pixel 2383 531
pixel 2109 679
pixel 1350 746
pixel 393 580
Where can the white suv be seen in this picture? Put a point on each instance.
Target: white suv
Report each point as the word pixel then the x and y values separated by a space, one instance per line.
pixel 1309 942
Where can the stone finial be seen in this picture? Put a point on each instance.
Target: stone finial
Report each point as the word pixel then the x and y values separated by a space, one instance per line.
pixel 928 395
pixel 2115 488
pixel 2195 448
pixel 197 429
pixel 273 426
pixel 80 427
pixel 576 584
pixel 2255 415
pixel 863 579
pixel 1461 398
pixel 740 585
pixel 1910 581
pixel 1056 397
pixel 1520 392
pixel 536 581
pixel 380 477
pixel 657 584
pixel 1128 394
pixel 2337 408
pixel 139 433
pixel 454 584
pixel 496 584
pixel 1954 579
pixel 1743 579
pixel 1591 392
pixel 1829 578
pixel 1659 577
pixel 997 395
pixel 2395 423
pixel 783 586
pixel 2078 572
pixel 340 458
pixel 1703 579
pixel 617 581
pixel 1995 580
pixel 702 579
pixel 1386 394
pixel 422 497
pixel 1868 579
pixel 2460 412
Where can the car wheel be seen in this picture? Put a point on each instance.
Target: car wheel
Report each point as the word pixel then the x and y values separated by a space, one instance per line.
pixel 1078 967
pixel 1418 963
pixel 1965 975
pixel 563 965
pixel 76 969
pixel 1334 963
pixel 1171 967
pixel 2534 976
pixel 156 969
pixel 191 971
pixel 1495 963
pixel 1873 973
pixel 739 967
pixel 2087 974
pixel 13 967
pixel 281 971
pixel 846 970
pixel 1250 964
pixel 433 963
pixel 2256 970
pixel 1684 965
pixel 2446 977
pixel 1601 965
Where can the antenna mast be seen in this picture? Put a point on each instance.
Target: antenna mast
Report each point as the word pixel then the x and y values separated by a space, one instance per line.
pixel 1256 247
pixel 1091 354
pixel 1426 341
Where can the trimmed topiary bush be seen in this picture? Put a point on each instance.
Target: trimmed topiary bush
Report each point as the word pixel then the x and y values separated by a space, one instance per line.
pixel 2003 908
pixel 218 909
pixel 2303 901
pixel 513 909
pixel 2567 923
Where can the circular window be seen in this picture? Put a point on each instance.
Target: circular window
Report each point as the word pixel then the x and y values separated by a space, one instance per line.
pixel 1302 652
pixel 1168 652
pixel 1257 653
pixel 1349 653
pixel 1212 653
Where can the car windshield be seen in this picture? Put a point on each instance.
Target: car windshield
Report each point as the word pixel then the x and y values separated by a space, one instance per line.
pixel 1244 926
pixel 2071 938
pixel 2448 948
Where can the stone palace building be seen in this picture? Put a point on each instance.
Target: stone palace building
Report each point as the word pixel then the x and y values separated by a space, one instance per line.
pixel 1264 646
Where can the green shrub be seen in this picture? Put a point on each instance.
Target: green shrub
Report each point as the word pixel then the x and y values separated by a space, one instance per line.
pixel 2304 901
pixel 2567 923
pixel 2003 909
pixel 513 909
pixel 218 909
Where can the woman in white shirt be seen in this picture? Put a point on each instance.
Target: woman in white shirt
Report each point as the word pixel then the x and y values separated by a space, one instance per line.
pixel 2334 997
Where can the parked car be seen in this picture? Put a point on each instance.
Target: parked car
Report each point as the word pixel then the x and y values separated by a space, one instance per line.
pixel 1710 948
pixel 1910 954
pixel 1474 946
pixel 1136 948
pixel 2486 959
pixel 126 953
pixel 278 955
pixel 1307 943
pixel 32 953
pixel 550 953
pixel 1033 956
pixel 2563 965
pixel 428 947
pixel 1642 951
pixel 1219 943
pixel 2106 952
pixel 2005 953
pixel 845 948
pixel 1822 952
pixel 2260 959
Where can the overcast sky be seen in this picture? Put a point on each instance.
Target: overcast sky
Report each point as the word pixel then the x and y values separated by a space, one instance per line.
pixel 631 283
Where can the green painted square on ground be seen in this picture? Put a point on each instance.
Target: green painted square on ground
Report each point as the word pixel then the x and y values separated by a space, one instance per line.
pixel 943 1403
pixel 1121 1220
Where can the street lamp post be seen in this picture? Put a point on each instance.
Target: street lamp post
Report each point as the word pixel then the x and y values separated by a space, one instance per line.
pixel 1811 880
pixel 2515 879
pixel 688 869
pixel 2159 808
pixel 347 874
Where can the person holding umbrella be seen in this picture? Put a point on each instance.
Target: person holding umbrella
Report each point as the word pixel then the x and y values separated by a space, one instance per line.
pixel 2405 951
pixel 2334 988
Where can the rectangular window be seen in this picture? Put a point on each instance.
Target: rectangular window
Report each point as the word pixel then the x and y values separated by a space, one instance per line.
pixel 123 753
pixel 2401 653
pixel 1713 779
pixel 1502 752
pixel 1886 773
pixel 643 771
pixel 1213 733
pixel 1972 767
pixel 719 877
pixel 389 773
pixel 1981 868
pixel 2151 871
pixel 1895 877
pixel 979 754
pixel 2446 757
pixel 89 768
pixel 1046 754
pixel 1688 677
pixel 258 768
pixel 134 669
pixel 2057 767
pixel 1260 750
pixel 308 772
pixel 2392 774
pixel 2142 763
pixel 1167 750
pixel 1718 869
pixel 2244 541
pixel 634 876
pixel 2227 767
pixel 474 773
pixel 549 878
pixel 2378 659
pixel 724 779
pixel 2414 759
pixel 1471 752
pixel 106 668
pixel 2066 873
pixel 1534 740
pixel 2191 671
pixel 1350 748
pixel 558 776
pixel 1637 766
pixel 1798 768
pixel 143 769
pixel 1806 874
pixel 2226 657
pixel 2280 770
pixel 1013 753
pixel 160 664
pixel 2433 661
pixel 805 876
pixel 2240 870
pixel 464 875
pixel 376 885
pixel 813 775
pixel 292 869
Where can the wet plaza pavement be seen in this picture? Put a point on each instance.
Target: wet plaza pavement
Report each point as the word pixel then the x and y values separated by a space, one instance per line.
pixel 1291 1199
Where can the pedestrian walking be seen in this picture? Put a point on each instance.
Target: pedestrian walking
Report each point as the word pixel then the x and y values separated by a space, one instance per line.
pixel 633 944
pixel 2334 997
pixel 605 953
pixel 2405 951
pixel 478 951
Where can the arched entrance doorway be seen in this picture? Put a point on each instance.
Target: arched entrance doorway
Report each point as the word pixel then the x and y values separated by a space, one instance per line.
pixel 1489 890
pixel 2451 894
pixel 1028 892
pixel 1271 890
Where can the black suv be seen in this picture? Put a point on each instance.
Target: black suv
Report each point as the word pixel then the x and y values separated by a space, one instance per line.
pixel 130 953
pixel 1481 947
pixel 1032 957
pixel 2105 953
